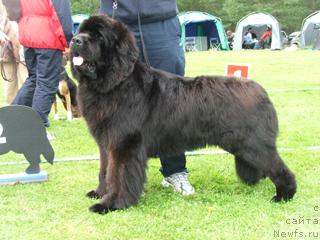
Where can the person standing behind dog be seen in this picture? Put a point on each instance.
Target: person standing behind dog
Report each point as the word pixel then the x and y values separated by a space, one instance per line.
pixel 160 46
pixel 13 69
pixel 45 28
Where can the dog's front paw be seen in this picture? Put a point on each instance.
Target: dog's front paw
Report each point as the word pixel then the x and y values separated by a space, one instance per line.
pixel 93 194
pixel 99 208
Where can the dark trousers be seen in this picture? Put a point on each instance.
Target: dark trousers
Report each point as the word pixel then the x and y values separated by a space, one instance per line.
pixel 164 51
pixel 38 91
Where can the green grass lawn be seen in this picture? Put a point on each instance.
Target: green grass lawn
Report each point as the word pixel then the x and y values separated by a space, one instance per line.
pixel 222 208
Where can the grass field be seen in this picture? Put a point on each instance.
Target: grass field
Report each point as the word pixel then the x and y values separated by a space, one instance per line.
pixel 222 208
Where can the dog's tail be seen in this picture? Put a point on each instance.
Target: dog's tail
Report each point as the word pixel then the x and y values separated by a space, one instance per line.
pixel 48 151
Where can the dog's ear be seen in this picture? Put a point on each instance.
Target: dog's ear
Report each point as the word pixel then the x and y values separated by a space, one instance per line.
pixel 126 49
pixel 120 57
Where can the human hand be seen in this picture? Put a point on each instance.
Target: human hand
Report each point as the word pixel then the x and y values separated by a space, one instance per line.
pixel 66 51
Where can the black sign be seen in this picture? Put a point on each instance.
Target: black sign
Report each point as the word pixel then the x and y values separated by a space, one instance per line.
pixel 22 131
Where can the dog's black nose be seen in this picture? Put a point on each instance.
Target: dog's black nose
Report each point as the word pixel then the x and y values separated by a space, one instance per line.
pixel 77 40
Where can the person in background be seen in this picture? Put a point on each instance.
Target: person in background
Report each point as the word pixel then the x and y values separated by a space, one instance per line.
pixel 265 39
pixel 160 46
pixel 43 52
pixel 250 39
pixel 230 37
pixel 13 69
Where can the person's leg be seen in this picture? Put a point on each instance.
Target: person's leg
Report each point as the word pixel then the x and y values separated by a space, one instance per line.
pixel 22 74
pixel 173 164
pixel 25 94
pixel 17 74
pixel 173 168
pixel 170 59
pixel 165 52
pixel 48 70
pixel 257 45
pixel 10 84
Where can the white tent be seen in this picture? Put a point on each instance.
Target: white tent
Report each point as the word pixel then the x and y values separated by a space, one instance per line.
pixel 310 31
pixel 258 21
pixel 317 44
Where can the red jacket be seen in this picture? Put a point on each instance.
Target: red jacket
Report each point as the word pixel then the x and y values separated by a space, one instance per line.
pixel 39 25
pixel 266 34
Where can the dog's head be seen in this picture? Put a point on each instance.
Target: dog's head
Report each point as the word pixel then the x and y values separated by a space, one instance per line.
pixel 103 52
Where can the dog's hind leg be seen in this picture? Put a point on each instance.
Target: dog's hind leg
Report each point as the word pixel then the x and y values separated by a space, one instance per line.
pixel 68 103
pixel 102 187
pixel 283 178
pixel 125 175
pixel 258 160
pixel 55 105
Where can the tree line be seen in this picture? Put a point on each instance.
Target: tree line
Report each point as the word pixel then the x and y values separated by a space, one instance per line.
pixel 290 13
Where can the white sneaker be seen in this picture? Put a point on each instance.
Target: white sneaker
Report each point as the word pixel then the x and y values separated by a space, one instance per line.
pixel 56 116
pixel 179 182
pixel 50 136
pixel 69 116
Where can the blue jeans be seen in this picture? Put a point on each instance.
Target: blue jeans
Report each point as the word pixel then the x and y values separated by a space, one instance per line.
pixel 38 91
pixel 257 46
pixel 164 51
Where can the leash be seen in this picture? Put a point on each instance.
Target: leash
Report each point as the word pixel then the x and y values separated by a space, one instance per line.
pixel 144 50
pixel 114 7
pixel 2 70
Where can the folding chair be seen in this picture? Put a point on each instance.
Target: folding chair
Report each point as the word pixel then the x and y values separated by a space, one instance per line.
pixel 191 44
pixel 214 43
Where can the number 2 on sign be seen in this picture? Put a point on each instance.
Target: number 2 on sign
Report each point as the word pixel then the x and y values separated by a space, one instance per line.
pixel 2 139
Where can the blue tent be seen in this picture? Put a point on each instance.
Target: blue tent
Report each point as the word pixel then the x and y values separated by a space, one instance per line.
pixel 206 29
pixel 77 19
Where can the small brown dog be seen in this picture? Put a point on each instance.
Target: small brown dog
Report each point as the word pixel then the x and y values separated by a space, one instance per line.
pixel 67 92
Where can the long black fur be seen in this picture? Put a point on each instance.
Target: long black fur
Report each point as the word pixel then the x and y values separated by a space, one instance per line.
pixel 135 112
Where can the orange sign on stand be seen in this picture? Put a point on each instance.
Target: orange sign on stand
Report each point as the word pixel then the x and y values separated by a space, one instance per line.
pixel 238 70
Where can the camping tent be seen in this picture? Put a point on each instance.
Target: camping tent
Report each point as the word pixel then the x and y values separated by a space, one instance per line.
pixel 310 31
pixel 203 30
pixel 317 44
pixel 258 21
pixel 77 19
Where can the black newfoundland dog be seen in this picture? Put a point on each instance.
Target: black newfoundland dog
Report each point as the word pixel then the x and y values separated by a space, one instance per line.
pixel 135 112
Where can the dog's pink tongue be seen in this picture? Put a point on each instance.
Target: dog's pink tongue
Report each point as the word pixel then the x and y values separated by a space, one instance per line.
pixel 77 61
